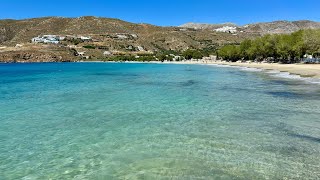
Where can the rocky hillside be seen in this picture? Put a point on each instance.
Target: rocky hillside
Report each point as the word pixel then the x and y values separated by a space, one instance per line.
pixel 37 53
pixel 114 36
pixel 149 36
pixel 276 27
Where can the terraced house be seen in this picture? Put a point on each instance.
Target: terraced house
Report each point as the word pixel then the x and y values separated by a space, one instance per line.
pixel 53 39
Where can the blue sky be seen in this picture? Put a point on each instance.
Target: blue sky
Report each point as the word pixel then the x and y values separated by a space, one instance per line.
pixel 167 12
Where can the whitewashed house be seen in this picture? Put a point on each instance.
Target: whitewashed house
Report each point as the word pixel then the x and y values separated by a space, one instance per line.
pixel 37 40
pixel 81 53
pixel 84 38
pixel 140 48
pixel 227 29
pixel 134 35
pixel 18 46
pixel 107 53
pixel 120 36
pixel 53 39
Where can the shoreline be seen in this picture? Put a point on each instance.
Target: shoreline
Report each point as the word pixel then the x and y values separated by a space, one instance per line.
pixel 302 70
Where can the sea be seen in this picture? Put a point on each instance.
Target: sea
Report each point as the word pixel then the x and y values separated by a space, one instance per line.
pixel 156 121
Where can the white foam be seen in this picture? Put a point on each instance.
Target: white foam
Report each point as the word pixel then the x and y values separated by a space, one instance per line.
pixel 274 73
pixel 287 75
pixel 251 69
pixel 220 65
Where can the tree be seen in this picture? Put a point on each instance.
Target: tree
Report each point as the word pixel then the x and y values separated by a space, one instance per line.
pixel 311 39
pixel 162 57
pixel 244 49
pixel 230 53
pixel 192 54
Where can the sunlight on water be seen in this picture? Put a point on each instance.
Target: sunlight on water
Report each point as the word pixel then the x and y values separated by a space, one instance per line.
pixel 149 121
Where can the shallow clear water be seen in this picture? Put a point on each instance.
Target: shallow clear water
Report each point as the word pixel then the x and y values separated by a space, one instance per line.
pixel 155 121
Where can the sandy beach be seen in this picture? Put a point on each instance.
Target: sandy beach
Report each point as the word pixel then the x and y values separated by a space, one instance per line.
pixel 304 70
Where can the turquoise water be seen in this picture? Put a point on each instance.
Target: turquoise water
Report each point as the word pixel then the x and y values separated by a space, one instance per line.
pixel 155 121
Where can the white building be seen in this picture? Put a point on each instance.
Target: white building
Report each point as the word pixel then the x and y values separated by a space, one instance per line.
pixel 227 29
pixel 81 53
pixel 210 58
pixel 107 53
pixel 120 36
pixel 85 38
pixel 61 38
pixel 134 35
pixel 177 58
pixel 18 45
pixel 53 39
pixel 37 40
pixel 140 48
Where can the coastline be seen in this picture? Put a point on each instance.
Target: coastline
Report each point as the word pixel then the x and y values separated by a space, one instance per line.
pixel 302 70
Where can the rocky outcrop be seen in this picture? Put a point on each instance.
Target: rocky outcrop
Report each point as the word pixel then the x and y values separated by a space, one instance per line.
pixel 5 34
pixel 281 27
pixel 29 56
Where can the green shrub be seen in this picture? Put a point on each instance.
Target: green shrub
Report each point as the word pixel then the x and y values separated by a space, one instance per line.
pixel 89 47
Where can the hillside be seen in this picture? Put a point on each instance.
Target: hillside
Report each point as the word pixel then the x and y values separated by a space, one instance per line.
pixel 152 37
pixel 119 37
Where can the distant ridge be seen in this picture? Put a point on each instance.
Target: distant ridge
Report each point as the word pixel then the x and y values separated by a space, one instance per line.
pixel 275 27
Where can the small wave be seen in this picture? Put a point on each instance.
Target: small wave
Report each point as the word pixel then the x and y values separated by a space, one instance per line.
pixel 220 65
pixel 287 75
pixel 274 73
pixel 251 69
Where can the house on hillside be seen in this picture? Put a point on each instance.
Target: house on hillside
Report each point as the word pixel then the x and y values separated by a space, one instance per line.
pixel 81 53
pixel 18 46
pixel 55 39
pixel 121 36
pixel 140 48
pixel 227 29
pixel 134 35
pixel 84 38
pixel 107 53
pixel 51 39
